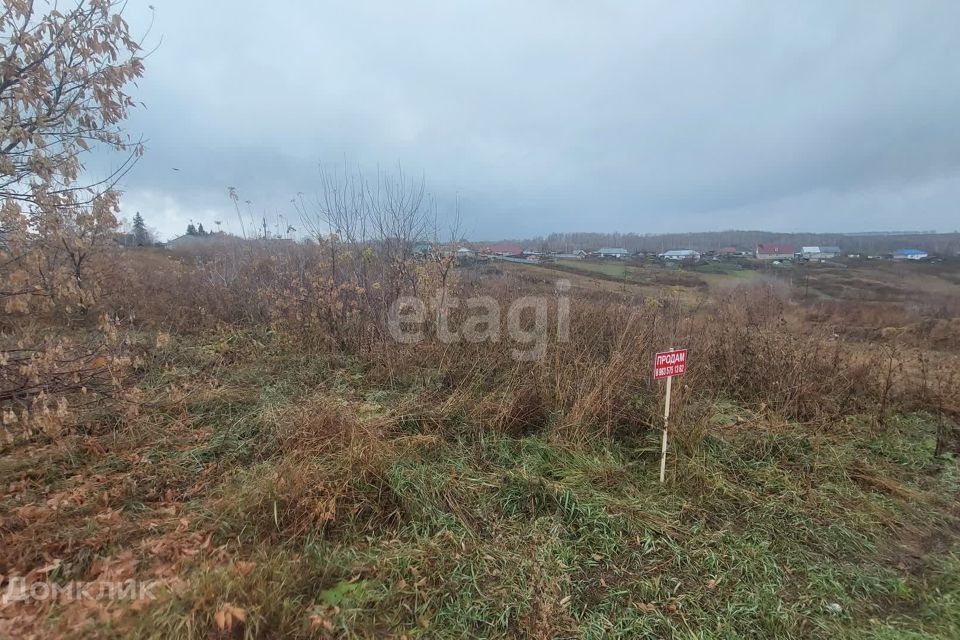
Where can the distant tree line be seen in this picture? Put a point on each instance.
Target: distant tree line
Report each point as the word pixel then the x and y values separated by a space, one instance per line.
pixel 197 230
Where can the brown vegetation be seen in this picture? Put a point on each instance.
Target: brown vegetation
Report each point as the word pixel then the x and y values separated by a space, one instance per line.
pixel 238 423
pixel 201 320
pixel 750 342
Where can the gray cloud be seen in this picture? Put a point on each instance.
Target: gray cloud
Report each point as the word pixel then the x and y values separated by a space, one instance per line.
pixel 557 116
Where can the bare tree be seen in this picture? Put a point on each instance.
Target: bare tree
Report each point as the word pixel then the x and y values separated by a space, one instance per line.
pixel 444 254
pixel 340 213
pixel 399 220
pixel 341 209
pixel 366 226
pixel 355 213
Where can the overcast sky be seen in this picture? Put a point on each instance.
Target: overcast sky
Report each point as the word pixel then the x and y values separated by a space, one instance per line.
pixel 560 115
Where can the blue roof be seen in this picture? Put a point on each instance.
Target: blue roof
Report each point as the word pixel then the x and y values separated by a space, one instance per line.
pixel 908 252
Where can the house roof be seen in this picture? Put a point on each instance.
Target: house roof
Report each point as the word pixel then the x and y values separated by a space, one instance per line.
pixel 187 238
pixel 680 252
pixel 506 248
pixel 829 249
pixel 774 248
pixel 908 252
pixel 613 250
pixel 727 250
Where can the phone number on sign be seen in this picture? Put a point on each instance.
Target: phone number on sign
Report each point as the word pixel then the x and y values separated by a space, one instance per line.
pixel 672 370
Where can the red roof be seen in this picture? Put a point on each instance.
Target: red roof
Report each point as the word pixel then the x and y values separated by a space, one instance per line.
pixel 505 249
pixel 723 250
pixel 772 249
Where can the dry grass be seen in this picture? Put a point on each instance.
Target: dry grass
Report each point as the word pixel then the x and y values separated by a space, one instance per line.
pixel 360 488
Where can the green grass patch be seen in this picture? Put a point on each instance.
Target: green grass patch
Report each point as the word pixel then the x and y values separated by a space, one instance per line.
pixel 760 535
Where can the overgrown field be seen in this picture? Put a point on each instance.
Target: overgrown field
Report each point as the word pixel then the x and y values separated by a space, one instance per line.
pixel 651 275
pixel 280 475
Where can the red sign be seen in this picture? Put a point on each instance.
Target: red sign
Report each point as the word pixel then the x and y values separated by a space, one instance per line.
pixel 667 364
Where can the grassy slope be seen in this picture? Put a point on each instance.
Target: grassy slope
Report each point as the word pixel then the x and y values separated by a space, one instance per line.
pixel 616 270
pixel 415 522
pixel 870 281
pixel 644 275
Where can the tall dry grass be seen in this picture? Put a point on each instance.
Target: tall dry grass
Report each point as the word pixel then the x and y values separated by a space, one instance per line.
pixel 749 345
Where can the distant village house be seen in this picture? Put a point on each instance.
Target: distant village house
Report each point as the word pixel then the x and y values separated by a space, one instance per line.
pixel 187 240
pixel 769 251
pixel 681 255
pixel 506 249
pixel 819 253
pixel 613 252
pixel 579 254
pixel 910 254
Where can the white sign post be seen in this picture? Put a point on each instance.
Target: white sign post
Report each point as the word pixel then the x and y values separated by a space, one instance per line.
pixel 668 364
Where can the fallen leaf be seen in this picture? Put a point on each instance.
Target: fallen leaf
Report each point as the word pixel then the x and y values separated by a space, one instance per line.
pixel 244 567
pixel 206 542
pixel 318 622
pixel 30 512
pixel 109 516
pixel 229 617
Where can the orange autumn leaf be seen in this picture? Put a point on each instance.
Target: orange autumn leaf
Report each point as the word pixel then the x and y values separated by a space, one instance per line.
pixel 229 617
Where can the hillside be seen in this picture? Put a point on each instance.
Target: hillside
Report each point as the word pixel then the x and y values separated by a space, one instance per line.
pixel 268 487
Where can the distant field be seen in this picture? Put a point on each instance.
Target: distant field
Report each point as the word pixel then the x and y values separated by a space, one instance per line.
pixel 646 275
pixel 864 281
pixel 877 281
pixel 613 269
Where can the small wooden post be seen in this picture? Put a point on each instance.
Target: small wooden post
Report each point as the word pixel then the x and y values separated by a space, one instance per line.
pixel 666 423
